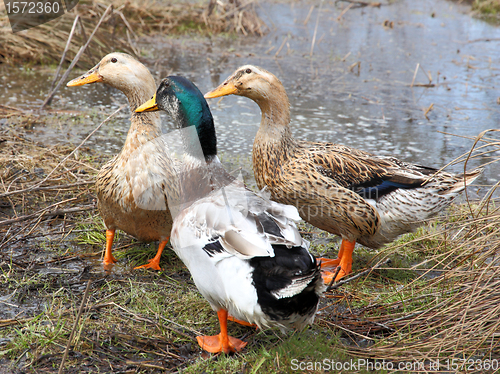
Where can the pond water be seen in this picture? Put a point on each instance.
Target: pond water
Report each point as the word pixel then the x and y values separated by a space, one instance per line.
pixel 354 88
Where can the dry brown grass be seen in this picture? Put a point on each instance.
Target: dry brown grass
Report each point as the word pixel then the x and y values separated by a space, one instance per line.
pixel 36 188
pixel 452 308
pixel 454 314
pixel 122 28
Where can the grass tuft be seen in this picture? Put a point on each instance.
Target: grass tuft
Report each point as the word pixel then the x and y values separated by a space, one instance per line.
pixel 491 7
pixel 122 28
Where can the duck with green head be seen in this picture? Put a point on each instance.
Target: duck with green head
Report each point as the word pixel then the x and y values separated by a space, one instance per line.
pixel 244 251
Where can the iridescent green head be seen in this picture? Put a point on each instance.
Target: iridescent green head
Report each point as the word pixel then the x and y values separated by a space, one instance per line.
pixel 184 102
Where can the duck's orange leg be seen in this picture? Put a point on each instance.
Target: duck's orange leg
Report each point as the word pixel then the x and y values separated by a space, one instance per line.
pixel 154 263
pixel 108 257
pixel 332 263
pixel 241 322
pixel 345 262
pixel 222 342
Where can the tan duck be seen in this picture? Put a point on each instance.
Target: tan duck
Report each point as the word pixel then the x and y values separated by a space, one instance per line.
pixel 131 186
pixel 354 194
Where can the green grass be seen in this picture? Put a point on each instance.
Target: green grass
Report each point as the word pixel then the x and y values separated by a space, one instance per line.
pixel 93 232
pixel 276 354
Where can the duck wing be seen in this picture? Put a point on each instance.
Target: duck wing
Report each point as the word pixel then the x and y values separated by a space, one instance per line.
pixel 236 221
pixel 370 176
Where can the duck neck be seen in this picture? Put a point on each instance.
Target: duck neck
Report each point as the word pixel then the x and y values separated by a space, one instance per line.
pixel 144 126
pixel 199 116
pixel 137 96
pixel 274 130
pixel 275 110
pixel 274 143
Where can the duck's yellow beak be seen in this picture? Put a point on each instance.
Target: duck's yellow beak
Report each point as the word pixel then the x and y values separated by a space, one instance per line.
pixel 226 88
pixel 92 76
pixel 148 106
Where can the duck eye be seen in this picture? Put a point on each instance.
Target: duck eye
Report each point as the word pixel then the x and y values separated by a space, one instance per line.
pixel 248 71
pixel 113 60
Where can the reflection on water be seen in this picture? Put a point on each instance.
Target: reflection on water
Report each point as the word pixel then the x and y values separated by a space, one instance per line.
pixel 372 108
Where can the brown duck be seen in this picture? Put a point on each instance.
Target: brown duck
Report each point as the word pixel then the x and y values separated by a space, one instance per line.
pixel 354 194
pixel 131 187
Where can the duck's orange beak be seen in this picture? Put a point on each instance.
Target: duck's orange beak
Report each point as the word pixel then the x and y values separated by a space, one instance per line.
pixel 92 76
pixel 226 88
pixel 149 106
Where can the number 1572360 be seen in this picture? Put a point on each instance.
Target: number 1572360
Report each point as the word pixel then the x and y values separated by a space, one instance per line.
pixel 32 7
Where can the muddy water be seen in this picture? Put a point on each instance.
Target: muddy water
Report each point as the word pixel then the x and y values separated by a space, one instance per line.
pixel 369 105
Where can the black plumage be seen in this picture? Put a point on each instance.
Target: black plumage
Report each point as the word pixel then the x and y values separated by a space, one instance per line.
pixel 213 248
pixel 292 268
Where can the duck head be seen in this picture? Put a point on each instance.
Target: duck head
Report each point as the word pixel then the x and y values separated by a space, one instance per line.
pixel 184 102
pixel 249 81
pixel 262 87
pixel 124 72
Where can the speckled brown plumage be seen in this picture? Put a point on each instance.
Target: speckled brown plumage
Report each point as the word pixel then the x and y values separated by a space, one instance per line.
pixel 345 191
pixel 132 187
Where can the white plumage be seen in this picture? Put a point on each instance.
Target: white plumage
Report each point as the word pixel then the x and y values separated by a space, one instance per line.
pixel 244 251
